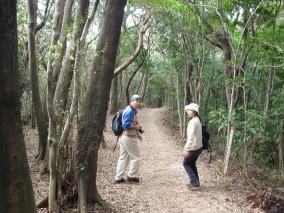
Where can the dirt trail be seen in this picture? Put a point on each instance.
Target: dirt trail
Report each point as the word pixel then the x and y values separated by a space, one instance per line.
pixel 163 178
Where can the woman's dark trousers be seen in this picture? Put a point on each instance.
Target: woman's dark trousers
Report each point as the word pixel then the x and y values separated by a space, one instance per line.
pixel 189 163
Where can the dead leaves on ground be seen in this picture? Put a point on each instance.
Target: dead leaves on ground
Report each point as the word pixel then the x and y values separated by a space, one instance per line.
pixel 267 200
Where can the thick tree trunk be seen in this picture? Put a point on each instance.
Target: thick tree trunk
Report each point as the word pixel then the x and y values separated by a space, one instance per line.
pixel 227 71
pixel 95 103
pixel 16 193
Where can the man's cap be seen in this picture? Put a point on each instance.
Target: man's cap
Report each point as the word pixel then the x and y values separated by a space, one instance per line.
pixel 135 97
pixel 192 106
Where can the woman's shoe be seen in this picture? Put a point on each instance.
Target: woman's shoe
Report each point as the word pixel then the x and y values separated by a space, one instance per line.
pixel 192 185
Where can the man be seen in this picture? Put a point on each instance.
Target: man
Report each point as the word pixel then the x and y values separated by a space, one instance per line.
pixel 128 142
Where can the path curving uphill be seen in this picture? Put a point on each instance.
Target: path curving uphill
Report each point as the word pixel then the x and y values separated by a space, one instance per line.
pixel 162 176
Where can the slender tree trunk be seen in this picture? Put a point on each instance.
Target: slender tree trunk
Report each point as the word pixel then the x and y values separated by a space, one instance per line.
pixel 179 107
pixel 281 143
pixel 57 64
pixel 51 85
pixel 268 92
pixel 114 96
pixel 209 86
pixel 188 71
pixel 16 193
pixel 66 74
pixel 140 83
pixel 63 88
pixel 40 118
pixel 95 103
pixel 144 87
pixel 132 76
pixel 62 164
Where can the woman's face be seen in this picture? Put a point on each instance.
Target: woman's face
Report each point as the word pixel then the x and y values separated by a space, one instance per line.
pixel 191 113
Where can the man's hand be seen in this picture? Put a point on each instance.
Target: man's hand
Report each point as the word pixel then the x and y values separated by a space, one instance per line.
pixel 140 137
pixel 137 127
pixel 185 154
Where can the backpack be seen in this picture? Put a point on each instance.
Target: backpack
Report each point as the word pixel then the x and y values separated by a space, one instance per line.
pixel 116 124
pixel 205 140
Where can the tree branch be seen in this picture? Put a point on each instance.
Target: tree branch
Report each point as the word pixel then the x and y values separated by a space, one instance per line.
pixel 46 14
pixel 143 28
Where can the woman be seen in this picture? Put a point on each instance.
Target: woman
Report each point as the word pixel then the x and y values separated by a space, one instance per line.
pixel 193 146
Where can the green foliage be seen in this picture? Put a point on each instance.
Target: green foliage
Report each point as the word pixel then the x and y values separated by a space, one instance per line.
pixel 260 138
pixel 221 117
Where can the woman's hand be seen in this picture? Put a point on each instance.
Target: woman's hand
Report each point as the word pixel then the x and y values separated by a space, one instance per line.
pixel 185 154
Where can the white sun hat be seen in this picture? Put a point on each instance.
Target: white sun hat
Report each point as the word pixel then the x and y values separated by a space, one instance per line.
pixel 192 106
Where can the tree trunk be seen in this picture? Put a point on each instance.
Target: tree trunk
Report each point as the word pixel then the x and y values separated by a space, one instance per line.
pixel 269 89
pixel 40 118
pixel 63 151
pixel 57 64
pixel 179 107
pixel 51 85
pixel 66 74
pixel 144 88
pixel 95 103
pixel 132 76
pixel 16 193
pixel 114 96
pixel 209 86
pixel 140 83
pixel 281 143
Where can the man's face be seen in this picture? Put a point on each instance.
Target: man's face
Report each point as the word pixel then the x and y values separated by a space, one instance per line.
pixel 136 103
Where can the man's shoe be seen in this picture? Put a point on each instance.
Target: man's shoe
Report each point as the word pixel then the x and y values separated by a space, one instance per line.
pixel 122 180
pixel 134 179
pixel 192 185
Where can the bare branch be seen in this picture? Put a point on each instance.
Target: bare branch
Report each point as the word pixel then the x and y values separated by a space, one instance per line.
pixel 46 14
pixel 143 28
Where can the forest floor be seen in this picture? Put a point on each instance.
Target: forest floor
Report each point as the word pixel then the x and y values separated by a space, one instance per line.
pixel 162 176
